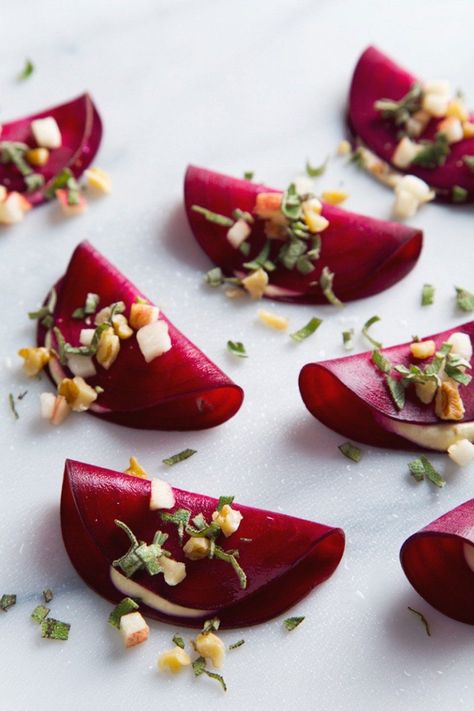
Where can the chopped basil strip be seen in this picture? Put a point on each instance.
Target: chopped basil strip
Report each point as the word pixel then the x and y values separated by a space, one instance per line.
pixel 213 216
pixel 235 645
pixel 211 625
pixel 217 677
pixel 427 295
pixel 454 368
pixel 422 619
pixel 27 70
pixel 400 111
pixel 7 601
pixel 231 558
pixel 291 203
pixel 237 348
pixel 14 152
pixel 261 259
pixel 459 194
pixel 397 391
pixel 40 613
pixel 248 175
pixel 292 622
pixel 365 331
pixel 464 299
pixel 90 306
pixel 180 517
pixel 306 331
pixel 214 277
pixel 419 468
pixel 180 457
pixel 47 595
pixel 469 162
pixel 239 214
pixel 224 501
pixel 350 451
pixel 11 401
pixel 316 171
pixel 434 153
pixel 124 607
pixel 381 361
pixel 54 629
pixel 45 313
pixel 325 282
pixel 244 249
pixel 199 666
pixel 60 180
pixel 348 339
pixel 140 555
pixel 178 641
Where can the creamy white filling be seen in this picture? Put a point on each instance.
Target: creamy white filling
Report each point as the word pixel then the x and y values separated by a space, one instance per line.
pixel 432 436
pixel 469 555
pixel 156 602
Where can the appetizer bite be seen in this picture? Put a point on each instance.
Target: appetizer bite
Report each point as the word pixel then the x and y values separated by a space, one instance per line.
pixel 113 353
pixel 188 557
pixel 41 157
pixel 422 129
pixel 439 562
pixel 290 246
pixel 418 393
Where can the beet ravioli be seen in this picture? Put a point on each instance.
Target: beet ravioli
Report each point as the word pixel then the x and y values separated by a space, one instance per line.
pixel 188 556
pixel 112 352
pixel 420 128
pixel 418 393
pixel 289 246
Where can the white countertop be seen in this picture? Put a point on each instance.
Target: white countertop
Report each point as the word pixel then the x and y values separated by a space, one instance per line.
pixel 233 87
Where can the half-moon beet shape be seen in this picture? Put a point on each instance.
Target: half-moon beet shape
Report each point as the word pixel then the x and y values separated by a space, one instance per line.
pixel 349 395
pixel 435 561
pixel 180 390
pixel 366 255
pixel 81 131
pixel 378 77
pixel 285 559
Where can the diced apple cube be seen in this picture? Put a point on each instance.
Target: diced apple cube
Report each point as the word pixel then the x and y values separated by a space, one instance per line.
pixel 174 572
pixel 46 132
pixel 13 208
pixel 47 403
pixel 134 629
pixel 238 233
pixel 461 452
pixel 81 365
pixel 142 315
pixel 154 340
pixel 452 128
pixel 405 152
pixel 161 495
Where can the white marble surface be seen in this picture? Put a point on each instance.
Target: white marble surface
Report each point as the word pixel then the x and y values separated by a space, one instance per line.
pixel 231 86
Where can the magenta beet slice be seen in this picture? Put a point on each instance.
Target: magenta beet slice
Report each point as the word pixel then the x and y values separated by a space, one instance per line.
pixel 349 395
pixel 81 131
pixel 375 77
pixel 286 558
pixel 366 255
pixel 180 390
pixel 434 561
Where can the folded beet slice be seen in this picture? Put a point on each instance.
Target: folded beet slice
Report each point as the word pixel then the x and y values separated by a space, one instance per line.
pixel 284 560
pixel 349 395
pixel 179 390
pixel 439 562
pixel 377 77
pixel 366 255
pixel 81 130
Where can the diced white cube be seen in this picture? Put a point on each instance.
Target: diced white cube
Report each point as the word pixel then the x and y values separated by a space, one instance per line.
pixel 461 452
pixel 86 335
pixel 134 629
pixel 174 572
pixel 47 403
pixel 154 340
pixel 81 365
pixel 161 495
pixel 46 132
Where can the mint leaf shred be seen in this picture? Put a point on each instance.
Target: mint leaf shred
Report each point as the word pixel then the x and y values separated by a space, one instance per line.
pixel 381 361
pixel 427 295
pixel 236 645
pixel 326 283
pixel 213 216
pixel 48 595
pixel 11 402
pixel 306 331
pixel 422 619
pixel 124 607
pixel 237 348
pixel 6 601
pixel 27 70
pixel 179 457
pixel 365 331
pixel 292 623
pixel 464 299
pixel 249 175
pixel 422 467
pixel 316 171
pixel 55 629
pixel 224 501
pixel 40 613
pixel 348 339
pixel 397 391
pixel 178 641
pixel 350 451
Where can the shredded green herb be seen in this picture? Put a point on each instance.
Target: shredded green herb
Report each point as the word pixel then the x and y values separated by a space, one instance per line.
pixel 7 601
pixel 365 331
pixel 14 152
pixel 124 607
pixel 397 391
pixel 224 501
pixel 59 181
pixel 459 194
pixel 316 171
pixel 211 625
pixel 381 361
pixel 11 401
pixel 217 677
pixel 348 339
pixel 464 299
pixel 434 153
pixel 90 306
pixel 213 216
pixel 427 295
pixel 422 619
pixel 325 282
pixel 237 348
pixel 231 558
pixel 47 595
pixel 179 457
pixel 40 613
pixel 54 629
pixel 292 622
pixel 350 451
pixel 306 331
pixel 141 555
pixel 180 518
pixel 422 467
pixel 469 162
pixel 27 70
pixel 178 641
pixel 237 644
pixel 199 667
pixel 45 313
pixel 400 111
pixel 249 174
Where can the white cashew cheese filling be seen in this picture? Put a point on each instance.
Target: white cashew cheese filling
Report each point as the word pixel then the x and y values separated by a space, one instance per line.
pixel 438 437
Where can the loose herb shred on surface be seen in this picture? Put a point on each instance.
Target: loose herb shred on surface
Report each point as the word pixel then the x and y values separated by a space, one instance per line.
pixel 211 625
pixel 213 216
pixel 350 451
pixel 223 501
pixel 235 645
pixel 347 339
pixel 199 667
pixel 27 70
pixel 249 174
pixel 48 595
pixel 54 629
pixel 40 613
pixel 422 619
pixel 178 641
pixel 292 622
pixel 217 677
pixel 45 313
pixel 464 299
pixel 427 295
pixel 469 162
pixel 306 331
pixel 11 401
pixel 365 331
pixel 7 601
pixel 124 607
pixel 316 171
pixel 325 282
pixel 381 361
pixel 237 348
pixel 419 468
pixel 179 457
pixel 397 391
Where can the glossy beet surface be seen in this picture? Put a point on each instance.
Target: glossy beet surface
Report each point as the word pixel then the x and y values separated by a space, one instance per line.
pixel 366 255
pixel 434 562
pixel 375 77
pixel 81 131
pixel 286 558
pixel 180 390
pixel 349 394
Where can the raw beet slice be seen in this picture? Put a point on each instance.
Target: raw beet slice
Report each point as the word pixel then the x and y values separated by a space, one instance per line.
pixel 81 131
pixel 435 562
pixel 376 77
pixel 180 390
pixel 285 559
pixel 366 255
pixel 349 395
